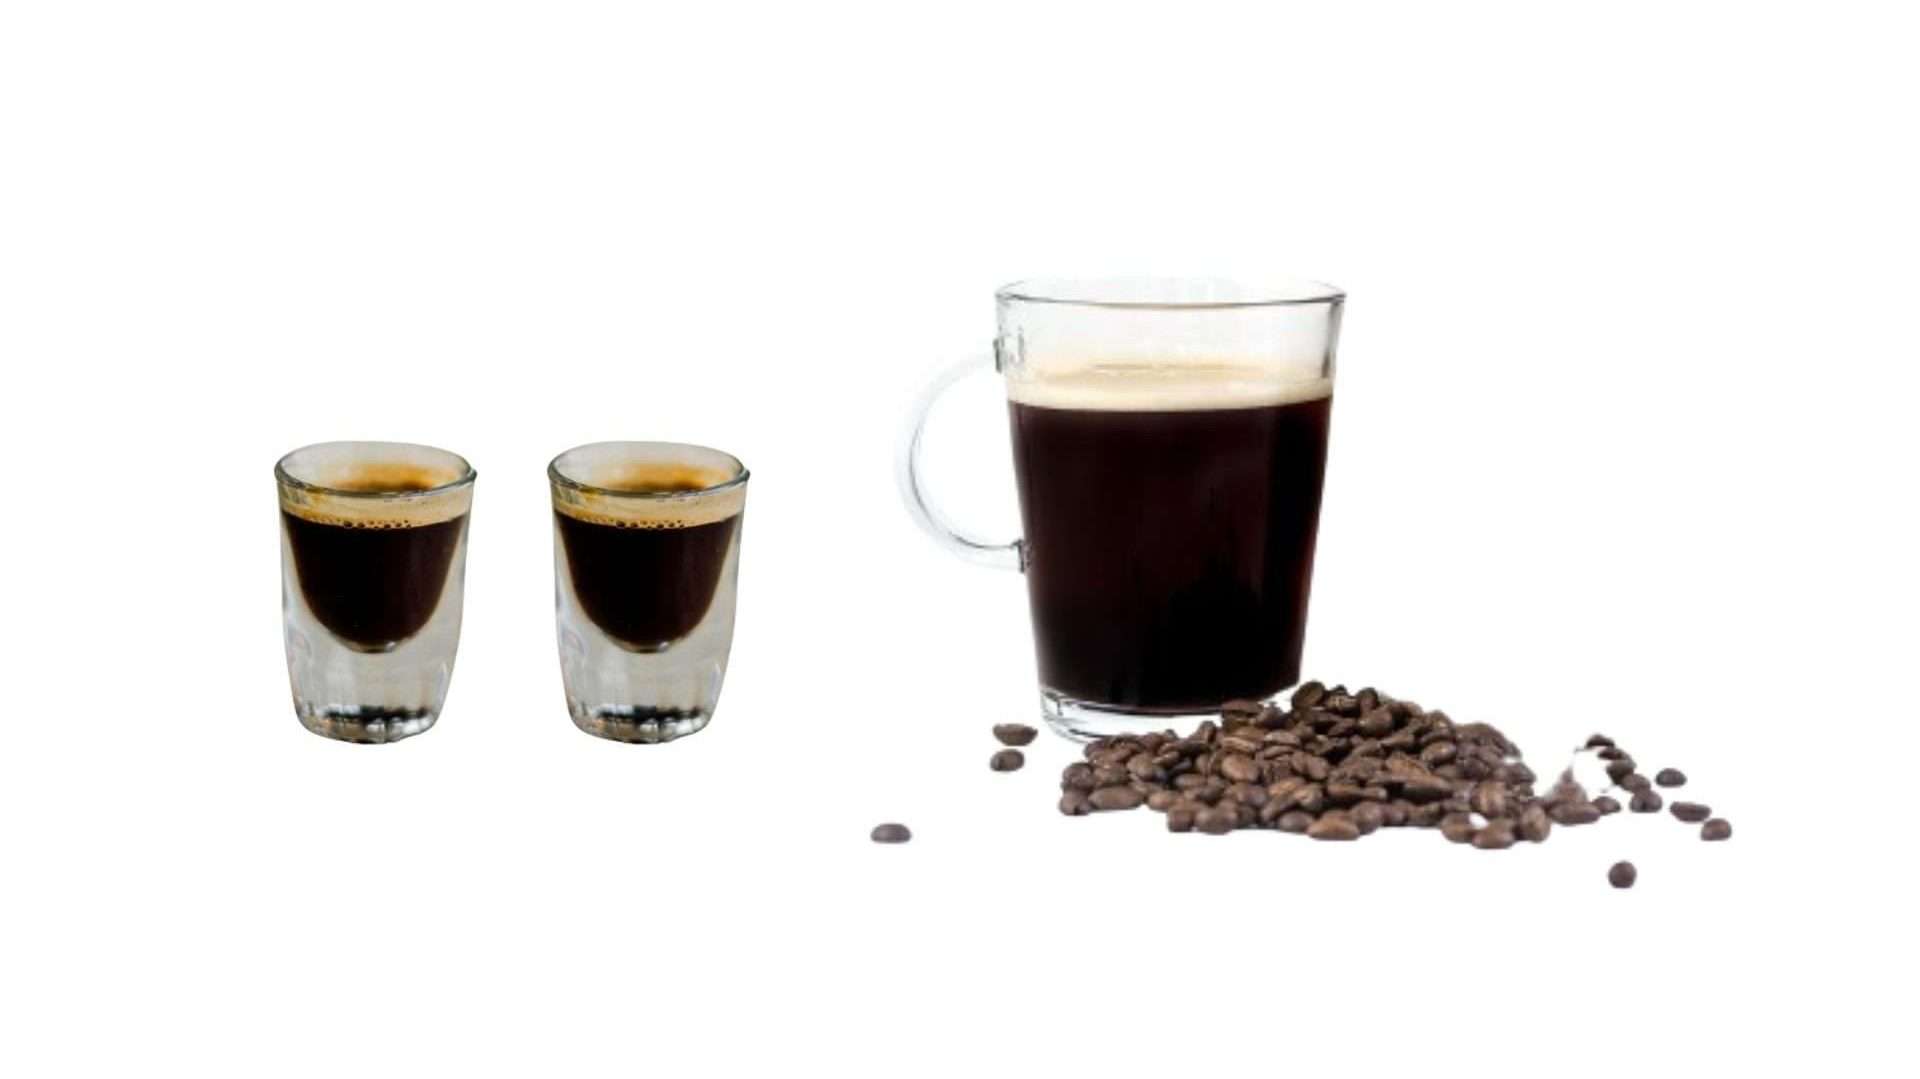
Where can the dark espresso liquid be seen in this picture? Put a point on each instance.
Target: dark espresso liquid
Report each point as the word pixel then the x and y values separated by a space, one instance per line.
pixel 645 585
pixel 1169 552
pixel 372 585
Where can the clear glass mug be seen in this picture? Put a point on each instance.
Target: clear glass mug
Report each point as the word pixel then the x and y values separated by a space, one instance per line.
pixel 373 557
pixel 1169 444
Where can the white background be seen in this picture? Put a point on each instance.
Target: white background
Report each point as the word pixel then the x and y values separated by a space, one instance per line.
pixel 1623 440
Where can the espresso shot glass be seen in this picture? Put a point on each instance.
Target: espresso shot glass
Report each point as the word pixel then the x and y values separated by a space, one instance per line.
pixel 646 552
pixel 373 552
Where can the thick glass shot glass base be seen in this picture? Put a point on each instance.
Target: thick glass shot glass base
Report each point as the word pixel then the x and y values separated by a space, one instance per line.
pixel 1083 721
pixel 641 725
pixel 371 726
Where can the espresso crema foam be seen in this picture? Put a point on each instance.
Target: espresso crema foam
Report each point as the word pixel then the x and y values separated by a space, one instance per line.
pixel 652 495
pixel 377 495
pixel 1169 387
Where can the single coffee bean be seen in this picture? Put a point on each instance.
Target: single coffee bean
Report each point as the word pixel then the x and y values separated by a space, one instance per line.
pixel 1489 799
pixel 1607 805
pixel 1308 695
pixel 1517 774
pixel 1074 803
pixel 1497 835
pixel 1691 812
pixel 1636 782
pixel 1396 813
pixel 1622 875
pixel 1670 777
pixel 1612 753
pixel 1007 760
pixel 1180 818
pixel 1376 723
pixel 1457 827
pixel 891 833
pixel 1599 741
pixel 1111 798
pixel 1014 734
pixel 1426 789
pixel 1335 824
pixel 1238 768
pixel 1645 802
pixel 1077 776
pixel 1368 817
pixel 1140 766
pixel 1216 820
pixel 1535 825
pixel 1248 794
pixel 1241 711
pixel 1110 775
pixel 1438 753
pixel 1428 815
pixel 1312 798
pixel 1189 781
pixel 1245 744
pixel 1163 800
pixel 1573 813
pixel 1715 830
pixel 1295 821
pixel 1619 770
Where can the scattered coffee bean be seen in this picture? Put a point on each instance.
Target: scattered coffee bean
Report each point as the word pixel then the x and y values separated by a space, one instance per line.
pixel 1457 827
pixel 1014 734
pixel 1599 741
pixel 1622 875
pixel 1078 776
pixel 1691 812
pixel 1574 813
pixel 891 833
pixel 1715 830
pixel 1670 777
pixel 1216 820
pixel 1607 804
pixel 1334 824
pixel 1112 798
pixel 1636 783
pixel 1007 760
pixel 1619 770
pixel 1612 753
pixel 1180 818
pixel 1645 801
pixel 1535 825
pixel 1497 835
pixel 1074 803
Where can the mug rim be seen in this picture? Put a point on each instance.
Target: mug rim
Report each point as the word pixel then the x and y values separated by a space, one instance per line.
pixel 1137 293
pixel 287 479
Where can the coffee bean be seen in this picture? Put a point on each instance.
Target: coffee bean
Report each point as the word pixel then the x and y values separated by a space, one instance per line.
pixel 1143 767
pixel 1517 774
pixel 1489 800
pixel 1636 783
pixel 1242 711
pixel 1014 734
pixel 1237 768
pixel 1295 821
pixel 1607 805
pixel 1426 789
pixel 1078 777
pixel 1396 813
pixel 1428 815
pixel 1670 777
pixel 1282 740
pixel 1691 812
pixel 1007 760
pixel 1180 818
pixel 1535 825
pixel 1316 769
pixel 1111 798
pixel 1438 753
pixel 1216 820
pixel 1368 817
pixel 1376 723
pixel 1573 813
pixel 1599 741
pixel 1457 827
pixel 1074 803
pixel 1497 835
pixel 1619 770
pixel 1612 754
pixel 1334 824
pixel 1341 704
pixel 1247 743
pixel 1622 875
pixel 1248 794
pixel 891 833
pixel 1645 802
pixel 1110 775
pixel 1163 800
pixel 1715 830
pixel 1312 798
pixel 1308 695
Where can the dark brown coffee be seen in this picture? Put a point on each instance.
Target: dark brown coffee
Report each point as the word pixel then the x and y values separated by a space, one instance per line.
pixel 647 582
pixel 373 582
pixel 1169 539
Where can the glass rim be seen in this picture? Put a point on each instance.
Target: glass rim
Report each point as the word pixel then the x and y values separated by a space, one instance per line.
pixel 1111 293
pixel 562 480
pixel 287 479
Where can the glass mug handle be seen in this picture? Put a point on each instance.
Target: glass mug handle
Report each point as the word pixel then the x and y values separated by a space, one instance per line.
pixel 913 488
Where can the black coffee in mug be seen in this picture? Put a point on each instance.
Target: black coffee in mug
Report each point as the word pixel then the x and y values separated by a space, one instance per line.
pixel 1169 517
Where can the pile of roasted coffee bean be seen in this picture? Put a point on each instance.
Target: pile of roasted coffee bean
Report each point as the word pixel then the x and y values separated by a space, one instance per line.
pixel 1338 765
